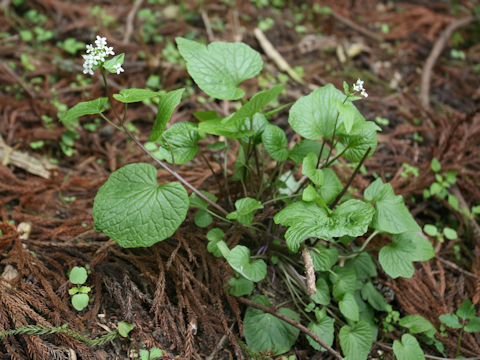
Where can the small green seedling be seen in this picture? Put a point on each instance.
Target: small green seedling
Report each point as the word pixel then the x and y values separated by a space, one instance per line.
pixel 153 353
pixel 464 319
pixel 80 298
pixel 447 232
pixel 124 328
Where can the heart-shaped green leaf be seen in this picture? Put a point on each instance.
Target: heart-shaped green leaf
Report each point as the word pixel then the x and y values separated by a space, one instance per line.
pixel 220 67
pixel 391 214
pixel 408 349
pixel 275 142
pixel 355 144
pixel 356 341
pixel 245 209
pixel 348 306
pixel 135 211
pixel 324 330
pixel 181 140
pixel 265 332
pixel 313 116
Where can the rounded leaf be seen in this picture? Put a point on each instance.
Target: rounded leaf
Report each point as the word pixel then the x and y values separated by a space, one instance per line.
pixel 78 275
pixel 135 211
pixel 80 301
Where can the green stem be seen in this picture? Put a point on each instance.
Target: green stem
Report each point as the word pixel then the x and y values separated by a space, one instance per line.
pixel 364 245
pixel 280 198
pixel 345 188
pixel 174 173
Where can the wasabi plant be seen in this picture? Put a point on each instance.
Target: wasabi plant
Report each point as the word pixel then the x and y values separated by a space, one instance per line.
pixel 78 276
pixel 298 215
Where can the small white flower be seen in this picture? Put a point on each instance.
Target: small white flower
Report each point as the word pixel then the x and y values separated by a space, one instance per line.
pixel 358 87
pixel 97 55
pixel 118 68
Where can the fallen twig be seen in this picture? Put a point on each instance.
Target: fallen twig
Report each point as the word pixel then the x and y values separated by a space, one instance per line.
pixel 433 56
pixel 291 322
pixel 208 27
pixel 357 28
pixel 277 58
pixel 130 19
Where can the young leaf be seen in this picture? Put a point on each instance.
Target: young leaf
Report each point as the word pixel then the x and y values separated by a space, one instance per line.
pixel 347 115
pixel 240 286
pixel 418 324
pixel 73 291
pixel 362 136
pixel 135 211
pixel 206 115
pixel 155 353
pixel 373 297
pixel 255 104
pixel 245 209
pixel 451 320
pixel 466 311
pixel 80 301
pixel 309 220
pixel 214 236
pixel 344 281
pixel 364 266
pixel 220 67
pixel 391 214
pixel 473 325
pixel 324 330
pixel 323 258
pixel 124 328
pixel 202 218
pixel 348 307
pixel 197 202
pixel 331 187
pixel 181 140
pixel 109 65
pixel 239 259
pixel 166 106
pixel 408 349
pixel 134 95
pixel 356 341
pixel 322 296
pixel 216 127
pixel 396 259
pixel 265 332
pixel 313 116
pixel 309 169
pixel 275 142
pixel 78 275
pixel 91 107
pixel 435 165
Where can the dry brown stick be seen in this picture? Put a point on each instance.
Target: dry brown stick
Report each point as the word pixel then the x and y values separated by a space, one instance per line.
pixel 433 56
pixel 20 82
pixel 208 27
pixel 456 267
pixel 130 20
pixel 291 322
pixel 358 28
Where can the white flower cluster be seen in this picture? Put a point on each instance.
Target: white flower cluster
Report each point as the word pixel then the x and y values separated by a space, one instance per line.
pixel 358 86
pixel 97 55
